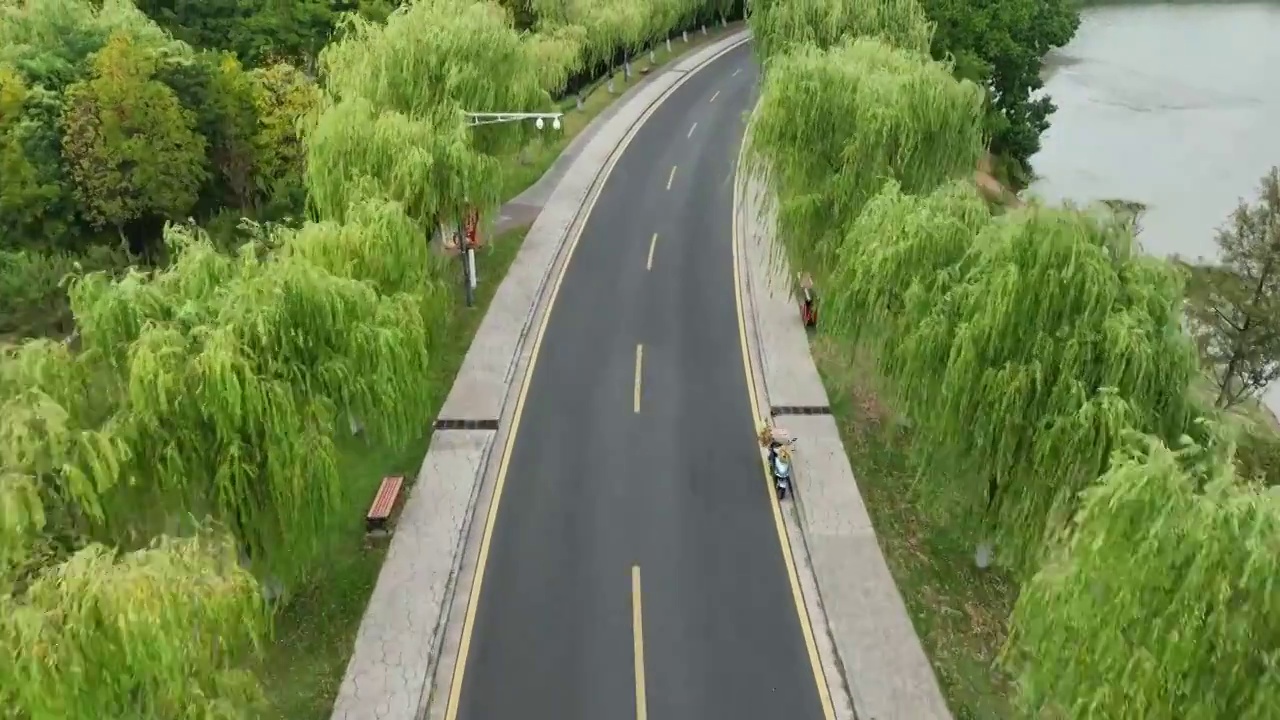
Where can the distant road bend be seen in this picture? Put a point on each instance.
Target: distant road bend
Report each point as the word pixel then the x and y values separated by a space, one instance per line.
pixel 635 567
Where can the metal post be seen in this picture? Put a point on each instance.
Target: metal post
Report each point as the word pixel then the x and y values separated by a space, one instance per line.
pixel 467 230
pixel 468 265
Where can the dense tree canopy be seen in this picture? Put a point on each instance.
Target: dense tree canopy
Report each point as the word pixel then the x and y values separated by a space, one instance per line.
pixel 182 446
pixel 111 127
pixel 1044 366
pixel 1001 45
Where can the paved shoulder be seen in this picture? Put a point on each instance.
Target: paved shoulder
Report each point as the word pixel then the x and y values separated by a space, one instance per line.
pixel 887 672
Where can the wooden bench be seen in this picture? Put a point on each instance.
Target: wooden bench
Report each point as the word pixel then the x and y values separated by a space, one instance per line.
pixel 384 503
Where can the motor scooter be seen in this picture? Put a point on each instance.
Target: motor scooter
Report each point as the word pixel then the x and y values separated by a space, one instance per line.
pixel 780 466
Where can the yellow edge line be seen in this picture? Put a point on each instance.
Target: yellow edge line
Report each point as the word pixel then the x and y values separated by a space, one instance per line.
pixel 824 694
pixel 477 584
pixel 637 632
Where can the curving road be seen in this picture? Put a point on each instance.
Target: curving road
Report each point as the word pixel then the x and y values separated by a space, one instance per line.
pixel 634 474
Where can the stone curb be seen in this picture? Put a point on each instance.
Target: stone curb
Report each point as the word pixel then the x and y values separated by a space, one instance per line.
pixel 869 645
pixel 409 629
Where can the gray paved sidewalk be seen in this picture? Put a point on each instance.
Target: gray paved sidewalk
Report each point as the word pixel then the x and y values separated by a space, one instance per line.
pixel 402 637
pixel 878 652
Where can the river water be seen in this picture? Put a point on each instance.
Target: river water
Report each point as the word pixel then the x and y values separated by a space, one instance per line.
pixel 1173 105
pixel 1176 106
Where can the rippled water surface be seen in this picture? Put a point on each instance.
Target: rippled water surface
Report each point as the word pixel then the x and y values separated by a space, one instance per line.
pixel 1173 105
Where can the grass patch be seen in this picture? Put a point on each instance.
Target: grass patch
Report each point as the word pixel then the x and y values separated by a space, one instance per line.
pixel 537 157
pixel 959 611
pixel 314 633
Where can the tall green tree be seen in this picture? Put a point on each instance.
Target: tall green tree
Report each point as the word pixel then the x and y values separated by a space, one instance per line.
pixel 216 90
pixel 284 99
pixel 30 194
pixel 256 31
pixel 130 146
pixel 1235 304
pixel 1163 600
pixel 1001 45
pixel 831 126
pixel 783 25
pixel 414 79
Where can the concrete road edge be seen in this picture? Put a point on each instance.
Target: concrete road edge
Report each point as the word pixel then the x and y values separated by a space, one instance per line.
pixel 871 655
pixel 411 626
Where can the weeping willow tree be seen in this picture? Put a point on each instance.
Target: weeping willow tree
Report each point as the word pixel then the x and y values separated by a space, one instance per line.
pixel 1163 602
pixel 1025 362
pixel 230 373
pixel 56 461
pixel 782 26
pixel 608 26
pixel 428 164
pixel 919 241
pixel 162 633
pixel 378 243
pixel 559 54
pixel 433 60
pixel 833 125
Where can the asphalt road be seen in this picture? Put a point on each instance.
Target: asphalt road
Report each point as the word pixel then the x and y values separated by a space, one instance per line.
pixel 595 488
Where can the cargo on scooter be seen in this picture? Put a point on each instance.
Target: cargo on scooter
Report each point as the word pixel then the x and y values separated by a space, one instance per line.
pixel 779 443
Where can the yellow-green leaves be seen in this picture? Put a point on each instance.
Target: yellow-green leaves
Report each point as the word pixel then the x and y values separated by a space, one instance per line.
pixel 1164 602
pixel 836 124
pixel 162 632
pixel 128 143
pixel 428 163
pixel 783 26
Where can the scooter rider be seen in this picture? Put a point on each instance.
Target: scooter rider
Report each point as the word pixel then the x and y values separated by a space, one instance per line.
pixel 772 439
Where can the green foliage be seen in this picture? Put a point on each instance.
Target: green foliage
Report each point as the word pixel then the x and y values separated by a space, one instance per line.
pixel 1001 45
pixel 1234 306
pixel 283 98
pixel 833 125
pixel 183 443
pixel 779 26
pixel 353 144
pixel 35 199
pixel 256 31
pixel 156 634
pixel 33 301
pixel 1163 601
pixel 1053 337
pixel 1027 349
pixel 435 60
pixel 108 127
pixel 131 147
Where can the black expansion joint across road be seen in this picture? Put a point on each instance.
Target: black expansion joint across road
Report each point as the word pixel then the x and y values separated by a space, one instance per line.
pixel 460 424
pixel 780 410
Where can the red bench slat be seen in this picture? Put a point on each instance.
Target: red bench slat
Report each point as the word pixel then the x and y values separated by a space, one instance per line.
pixel 385 501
